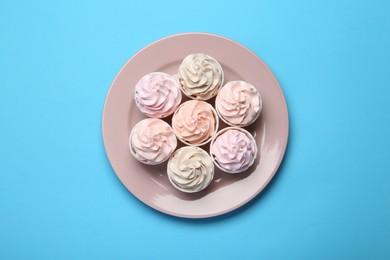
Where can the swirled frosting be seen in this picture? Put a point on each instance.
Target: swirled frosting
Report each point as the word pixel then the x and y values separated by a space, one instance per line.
pixel 201 76
pixel 238 103
pixel 157 94
pixel 152 141
pixel 233 150
pixel 190 169
pixel 194 122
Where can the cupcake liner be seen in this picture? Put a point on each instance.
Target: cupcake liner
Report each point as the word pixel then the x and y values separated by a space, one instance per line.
pixel 222 131
pixel 239 125
pixel 210 138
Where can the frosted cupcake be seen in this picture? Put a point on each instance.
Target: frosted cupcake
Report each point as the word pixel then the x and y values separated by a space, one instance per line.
pixel 238 103
pixel 233 150
pixel 195 122
pixel 190 169
pixel 201 76
pixel 152 141
pixel 157 95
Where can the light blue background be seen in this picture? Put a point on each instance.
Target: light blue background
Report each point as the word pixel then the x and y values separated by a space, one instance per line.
pixel 60 199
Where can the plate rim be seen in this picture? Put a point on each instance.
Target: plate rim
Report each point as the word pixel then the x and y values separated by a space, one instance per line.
pixel 283 147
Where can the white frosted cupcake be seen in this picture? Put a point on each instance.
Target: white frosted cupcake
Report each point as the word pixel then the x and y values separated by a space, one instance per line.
pixel 157 94
pixel 152 141
pixel 238 103
pixel 195 122
pixel 190 169
pixel 201 76
pixel 233 149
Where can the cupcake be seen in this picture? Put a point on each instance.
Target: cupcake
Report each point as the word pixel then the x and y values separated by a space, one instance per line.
pixel 157 94
pixel 152 141
pixel 190 169
pixel 195 122
pixel 238 103
pixel 233 150
pixel 201 76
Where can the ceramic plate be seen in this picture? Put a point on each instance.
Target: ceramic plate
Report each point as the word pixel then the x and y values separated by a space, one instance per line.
pixel 150 184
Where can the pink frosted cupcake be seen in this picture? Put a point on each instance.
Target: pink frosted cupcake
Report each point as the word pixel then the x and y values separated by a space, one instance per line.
pixel 157 95
pixel 195 122
pixel 238 103
pixel 233 150
pixel 152 141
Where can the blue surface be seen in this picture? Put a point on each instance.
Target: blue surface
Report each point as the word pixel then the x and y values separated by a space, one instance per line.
pixel 60 199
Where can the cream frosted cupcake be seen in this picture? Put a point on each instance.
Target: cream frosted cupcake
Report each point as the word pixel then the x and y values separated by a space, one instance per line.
pixel 195 122
pixel 233 149
pixel 238 103
pixel 157 94
pixel 152 141
pixel 190 169
pixel 201 76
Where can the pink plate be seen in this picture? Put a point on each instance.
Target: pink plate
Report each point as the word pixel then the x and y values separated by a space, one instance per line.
pixel 150 184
